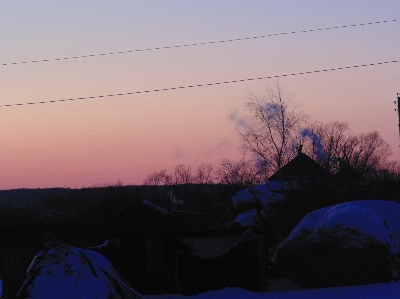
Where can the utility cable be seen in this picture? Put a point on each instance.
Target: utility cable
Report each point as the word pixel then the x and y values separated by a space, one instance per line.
pixel 196 44
pixel 202 85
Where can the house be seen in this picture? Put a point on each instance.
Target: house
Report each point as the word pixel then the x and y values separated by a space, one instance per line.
pixel 190 261
pixel 188 253
pixel 297 173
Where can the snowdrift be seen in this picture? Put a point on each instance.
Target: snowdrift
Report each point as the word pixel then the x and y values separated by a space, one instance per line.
pixel 255 204
pixel 68 272
pixel 347 244
pixel 373 291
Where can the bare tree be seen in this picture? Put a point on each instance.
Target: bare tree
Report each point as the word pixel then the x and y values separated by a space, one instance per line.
pixel 364 153
pixel 328 138
pixel 204 174
pixel 390 171
pixel 160 178
pixel 271 133
pixel 241 173
pixel 183 174
pixel 162 194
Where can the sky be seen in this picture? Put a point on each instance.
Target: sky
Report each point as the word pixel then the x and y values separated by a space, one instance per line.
pixel 98 141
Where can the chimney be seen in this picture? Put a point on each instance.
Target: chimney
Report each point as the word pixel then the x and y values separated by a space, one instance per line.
pixel 299 149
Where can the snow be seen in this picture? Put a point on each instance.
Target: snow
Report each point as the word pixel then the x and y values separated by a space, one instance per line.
pixel 155 207
pixel 372 291
pixel 69 272
pixel 209 248
pixel 284 185
pixel 248 218
pixel 346 244
pixel 256 194
pixel 259 192
pixel 375 218
pixel 264 194
pixel 359 217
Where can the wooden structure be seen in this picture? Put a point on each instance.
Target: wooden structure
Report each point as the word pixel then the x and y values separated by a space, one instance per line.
pixel 299 172
pixel 190 261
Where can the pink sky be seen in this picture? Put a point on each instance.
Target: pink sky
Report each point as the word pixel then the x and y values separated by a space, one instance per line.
pixel 89 142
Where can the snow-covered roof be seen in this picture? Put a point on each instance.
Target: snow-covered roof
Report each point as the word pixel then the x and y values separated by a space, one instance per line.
pixel 212 247
pixel 260 195
pixel 155 207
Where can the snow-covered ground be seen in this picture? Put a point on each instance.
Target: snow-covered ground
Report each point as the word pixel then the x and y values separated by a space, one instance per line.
pixel 69 272
pixel 377 219
pixel 373 291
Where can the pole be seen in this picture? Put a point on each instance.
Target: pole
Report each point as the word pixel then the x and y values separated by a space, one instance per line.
pixel 398 109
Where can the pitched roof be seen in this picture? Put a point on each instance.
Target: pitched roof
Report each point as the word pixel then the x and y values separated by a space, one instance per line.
pixel 300 168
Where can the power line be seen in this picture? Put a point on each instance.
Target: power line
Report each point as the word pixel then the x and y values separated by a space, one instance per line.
pixel 201 85
pixel 197 44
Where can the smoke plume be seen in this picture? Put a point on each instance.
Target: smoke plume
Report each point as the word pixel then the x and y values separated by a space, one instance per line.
pixel 316 141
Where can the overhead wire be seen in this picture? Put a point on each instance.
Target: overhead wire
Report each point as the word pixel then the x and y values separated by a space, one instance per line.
pixel 202 85
pixel 196 44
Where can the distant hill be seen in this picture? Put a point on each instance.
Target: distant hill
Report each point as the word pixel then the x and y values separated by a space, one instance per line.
pixel 19 197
